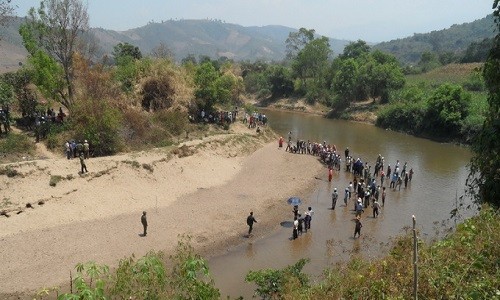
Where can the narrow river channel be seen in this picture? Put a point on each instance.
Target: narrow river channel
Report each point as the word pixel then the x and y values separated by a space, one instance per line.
pixel 440 174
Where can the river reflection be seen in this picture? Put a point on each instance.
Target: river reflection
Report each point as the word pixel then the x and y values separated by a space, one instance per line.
pixel 440 174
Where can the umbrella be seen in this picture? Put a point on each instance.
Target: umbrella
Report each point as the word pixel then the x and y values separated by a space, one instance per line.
pixel 294 201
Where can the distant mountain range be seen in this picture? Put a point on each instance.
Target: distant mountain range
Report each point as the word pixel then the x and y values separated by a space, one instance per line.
pixel 455 40
pixel 215 39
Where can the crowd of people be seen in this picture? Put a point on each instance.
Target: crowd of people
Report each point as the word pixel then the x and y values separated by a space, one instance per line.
pixel 368 185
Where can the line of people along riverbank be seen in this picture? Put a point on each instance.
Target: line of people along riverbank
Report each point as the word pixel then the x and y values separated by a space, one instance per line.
pixel 367 187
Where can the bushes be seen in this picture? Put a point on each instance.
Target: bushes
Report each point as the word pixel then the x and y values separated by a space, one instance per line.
pixel 14 143
pixel 404 116
pixel 147 278
pixel 100 123
pixel 448 113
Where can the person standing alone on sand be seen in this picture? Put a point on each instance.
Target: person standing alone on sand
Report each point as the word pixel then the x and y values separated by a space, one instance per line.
pixel 250 221
pixel 144 222
pixel 82 164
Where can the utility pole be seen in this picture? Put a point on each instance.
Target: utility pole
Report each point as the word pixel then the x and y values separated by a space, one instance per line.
pixel 415 268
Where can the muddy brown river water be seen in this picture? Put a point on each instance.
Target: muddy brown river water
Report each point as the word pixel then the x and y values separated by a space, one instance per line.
pixel 440 174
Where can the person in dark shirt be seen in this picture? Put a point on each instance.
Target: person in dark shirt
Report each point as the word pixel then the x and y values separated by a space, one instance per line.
pixel 357 228
pixel 144 222
pixel 250 221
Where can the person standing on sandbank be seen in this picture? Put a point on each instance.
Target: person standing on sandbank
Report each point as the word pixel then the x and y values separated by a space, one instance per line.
pixel 82 164
pixel 250 221
pixel 144 222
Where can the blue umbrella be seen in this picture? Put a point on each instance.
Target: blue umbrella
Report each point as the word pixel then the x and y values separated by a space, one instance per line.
pixel 294 201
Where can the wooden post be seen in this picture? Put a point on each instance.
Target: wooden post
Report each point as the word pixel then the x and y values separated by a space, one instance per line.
pixel 415 268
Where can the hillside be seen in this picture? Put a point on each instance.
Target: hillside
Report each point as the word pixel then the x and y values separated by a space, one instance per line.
pixel 455 39
pixel 12 51
pixel 183 37
pixel 216 39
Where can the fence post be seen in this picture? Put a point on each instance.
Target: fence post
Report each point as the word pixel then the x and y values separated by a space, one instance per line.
pixel 415 268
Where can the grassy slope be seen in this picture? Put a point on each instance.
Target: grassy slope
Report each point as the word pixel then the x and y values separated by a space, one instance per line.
pixel 465 265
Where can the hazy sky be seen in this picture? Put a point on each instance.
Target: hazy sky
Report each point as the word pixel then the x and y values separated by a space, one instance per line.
pixel 369 20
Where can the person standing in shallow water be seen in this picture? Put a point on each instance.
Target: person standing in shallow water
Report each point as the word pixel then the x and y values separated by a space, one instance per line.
pixel 144 222
pixel 250 221
pixel 295 228
pixel 335 196
pixel 357 228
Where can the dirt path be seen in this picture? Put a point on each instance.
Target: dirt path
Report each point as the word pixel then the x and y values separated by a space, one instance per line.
pixel 97 217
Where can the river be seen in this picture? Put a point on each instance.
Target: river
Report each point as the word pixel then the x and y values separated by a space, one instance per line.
pixel 440 174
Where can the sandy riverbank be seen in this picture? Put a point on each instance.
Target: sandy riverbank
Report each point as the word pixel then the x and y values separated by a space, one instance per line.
pixel 97 216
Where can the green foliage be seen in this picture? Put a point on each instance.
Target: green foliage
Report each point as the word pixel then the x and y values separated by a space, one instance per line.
pixel 296 41
pixel 145 278
pixel 89 282
pixel 175 122
pixel 51 34
pixel 55 179
pixel 15 143
pixel 475 82
pixel 477 51
pixel 428 61
pixel 274 284
pixel 447 108
pixel 464 265
pixel 205 78
pixel 190 275
pixel 6 93
pixel 403 116
pixel 100 123
pixel 448 112
pixel 281 82
pixel 126 50
pixel 345 83
pixel 484 178
pixel 312 60
pixel 126 72
pixel 44 70
pixel 355 50
pixel 214 87
pixel 455 39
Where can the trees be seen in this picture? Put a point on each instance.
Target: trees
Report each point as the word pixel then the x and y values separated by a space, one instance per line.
pixel 355 49
pixel 361 74
pixel 50 35
pixel 312 60
pixel 297 40
pixel 484 178
pixel 447 108
pixel 125 50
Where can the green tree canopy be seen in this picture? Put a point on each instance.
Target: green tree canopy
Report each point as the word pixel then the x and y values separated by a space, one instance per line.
pixel 50 35
pixel 296 41
pixel 355 49
pixel 484 178
pixel 125 51
pixel 447 108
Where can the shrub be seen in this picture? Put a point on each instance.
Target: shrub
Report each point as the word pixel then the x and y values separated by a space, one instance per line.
pixel 403 116
pixel 99 123
pixel 55 179
pixel 9 171
pixel 272 284
pixel 14 143
pixel 448 106
pixel 174 121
